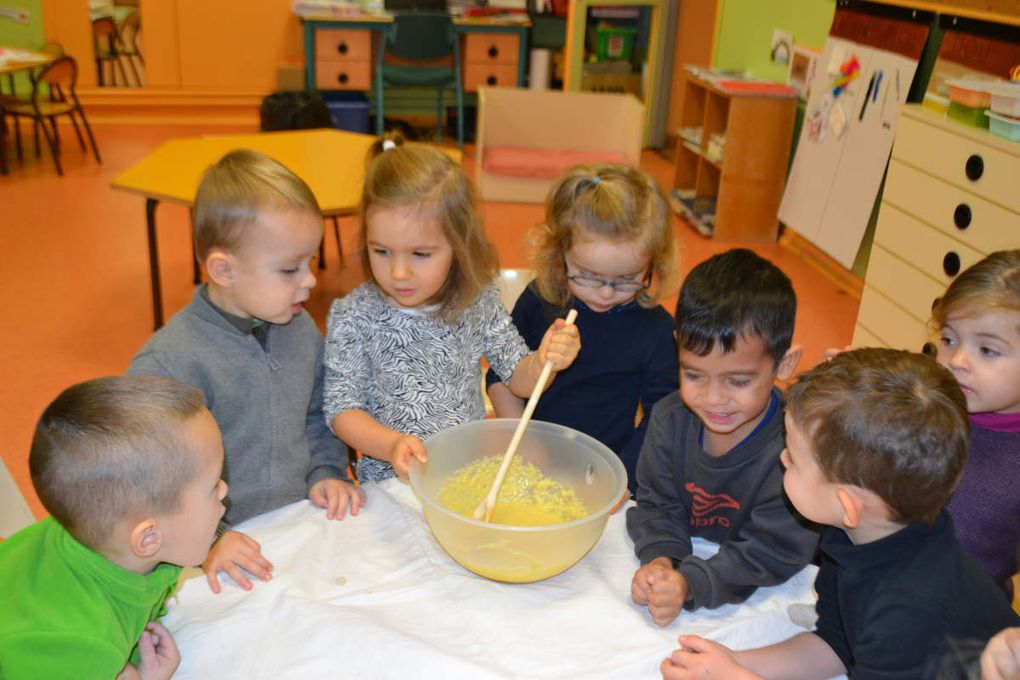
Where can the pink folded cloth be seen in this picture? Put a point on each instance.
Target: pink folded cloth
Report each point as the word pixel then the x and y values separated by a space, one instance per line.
pixel 518 161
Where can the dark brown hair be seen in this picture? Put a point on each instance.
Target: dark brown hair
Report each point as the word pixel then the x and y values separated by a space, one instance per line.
pixel 889 421
pixel 111 448
pixel 731 295
pixel 611 201
pixel 403 174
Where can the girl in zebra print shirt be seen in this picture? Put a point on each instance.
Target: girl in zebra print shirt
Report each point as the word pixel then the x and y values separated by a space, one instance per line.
pixel 403 350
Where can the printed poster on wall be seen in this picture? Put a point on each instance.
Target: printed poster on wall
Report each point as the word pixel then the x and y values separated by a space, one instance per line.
pixel 845 141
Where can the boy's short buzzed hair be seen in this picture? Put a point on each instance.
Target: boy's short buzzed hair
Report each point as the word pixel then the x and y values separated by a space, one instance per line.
pixel 730 295
pixel 112 448
pixel 236 190
pixel 889 421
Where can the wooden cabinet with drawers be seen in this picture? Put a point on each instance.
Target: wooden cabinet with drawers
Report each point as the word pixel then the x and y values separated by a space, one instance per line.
pixel 340 51
pixel 489 59
pixel 343 59
pixel 950 199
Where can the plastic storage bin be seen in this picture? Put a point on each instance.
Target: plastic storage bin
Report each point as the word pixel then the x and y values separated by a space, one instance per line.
pixel 968 115
pixel 1004 126
pixel 613 42
pixel 971 94
pixel 349 110
pixel 1006 100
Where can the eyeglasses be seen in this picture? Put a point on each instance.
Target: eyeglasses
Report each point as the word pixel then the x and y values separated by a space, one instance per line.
pixel 619 285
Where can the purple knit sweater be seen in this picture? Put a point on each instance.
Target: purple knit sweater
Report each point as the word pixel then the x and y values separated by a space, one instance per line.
pixel 986 506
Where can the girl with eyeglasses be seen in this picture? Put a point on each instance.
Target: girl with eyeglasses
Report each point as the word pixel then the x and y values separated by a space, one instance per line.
pixel 606 249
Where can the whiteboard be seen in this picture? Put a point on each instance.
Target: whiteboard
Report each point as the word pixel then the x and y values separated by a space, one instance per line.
pixel 844 146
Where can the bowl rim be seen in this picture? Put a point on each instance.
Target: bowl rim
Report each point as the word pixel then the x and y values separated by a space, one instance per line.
pixel 602 512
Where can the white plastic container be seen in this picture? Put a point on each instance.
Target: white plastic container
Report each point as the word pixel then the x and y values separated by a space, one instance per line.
pixel 1006 100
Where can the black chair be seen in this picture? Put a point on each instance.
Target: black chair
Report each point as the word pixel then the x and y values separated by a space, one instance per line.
pixel 106 43
pixel 58 98
pixel 420 40
pixel 128 48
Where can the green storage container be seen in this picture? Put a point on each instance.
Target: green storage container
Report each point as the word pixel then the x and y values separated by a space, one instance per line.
pixel 614 42
pixel 968 115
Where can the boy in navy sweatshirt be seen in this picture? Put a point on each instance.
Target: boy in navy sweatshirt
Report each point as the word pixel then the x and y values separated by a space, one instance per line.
pixel 709 465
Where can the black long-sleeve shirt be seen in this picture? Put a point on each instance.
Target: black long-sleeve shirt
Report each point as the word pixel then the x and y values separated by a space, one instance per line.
pixel 735 500
pixel 898 608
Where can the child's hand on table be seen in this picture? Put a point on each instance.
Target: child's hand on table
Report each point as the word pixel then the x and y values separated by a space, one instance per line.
pixel 335 495
pixel 1001 658
pixel 560 345
pixel 701 658
pixel 661 588
pixel 158 655
pixel 233 552
pixel 404 448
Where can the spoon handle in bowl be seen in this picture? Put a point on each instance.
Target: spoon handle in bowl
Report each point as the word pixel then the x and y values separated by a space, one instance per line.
pixel 487 505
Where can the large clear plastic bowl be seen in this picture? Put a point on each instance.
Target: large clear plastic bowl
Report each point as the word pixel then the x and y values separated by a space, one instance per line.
pixel 520 554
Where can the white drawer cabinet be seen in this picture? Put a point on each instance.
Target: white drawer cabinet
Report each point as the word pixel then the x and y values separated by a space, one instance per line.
pixel 951 197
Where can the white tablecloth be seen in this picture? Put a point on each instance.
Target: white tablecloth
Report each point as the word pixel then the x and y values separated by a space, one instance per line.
pixel 374 596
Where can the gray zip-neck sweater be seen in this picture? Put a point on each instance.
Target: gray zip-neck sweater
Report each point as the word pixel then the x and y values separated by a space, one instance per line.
pixel 268 402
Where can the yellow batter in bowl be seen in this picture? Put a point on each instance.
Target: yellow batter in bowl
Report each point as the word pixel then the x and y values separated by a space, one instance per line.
pixel 527 498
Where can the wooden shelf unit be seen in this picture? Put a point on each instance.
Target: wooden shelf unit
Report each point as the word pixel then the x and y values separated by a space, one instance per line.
pixel 747 183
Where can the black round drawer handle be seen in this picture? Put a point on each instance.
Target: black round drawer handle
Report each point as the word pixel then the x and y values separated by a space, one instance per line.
pixel 975 168
pixel 951 264
pixel 342 48
pixel 929 349
pixel 962 216
pixel 493 51
pixel 491 80
pixel 343 78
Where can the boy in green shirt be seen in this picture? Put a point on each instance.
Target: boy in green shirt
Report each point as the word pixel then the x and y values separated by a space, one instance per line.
pixel 129 469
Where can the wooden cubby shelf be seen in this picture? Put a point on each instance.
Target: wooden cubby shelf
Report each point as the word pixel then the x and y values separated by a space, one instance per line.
pixel 732 157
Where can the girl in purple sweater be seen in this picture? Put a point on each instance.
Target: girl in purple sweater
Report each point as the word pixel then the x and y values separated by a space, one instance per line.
pixel 979 322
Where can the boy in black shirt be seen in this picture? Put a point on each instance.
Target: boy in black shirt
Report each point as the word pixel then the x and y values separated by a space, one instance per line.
pixel 709 465
pixel 877 440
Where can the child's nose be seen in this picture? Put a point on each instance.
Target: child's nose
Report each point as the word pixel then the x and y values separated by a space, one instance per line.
pixel 958 359
pixel 715 393
pixel 399 269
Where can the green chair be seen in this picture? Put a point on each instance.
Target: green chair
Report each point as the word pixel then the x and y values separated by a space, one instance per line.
pixel 424 38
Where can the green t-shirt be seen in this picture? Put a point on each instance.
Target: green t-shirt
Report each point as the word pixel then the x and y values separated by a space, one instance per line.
pixel 68 612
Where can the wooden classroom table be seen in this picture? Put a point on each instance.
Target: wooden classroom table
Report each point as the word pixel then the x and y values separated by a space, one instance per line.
pixel 332 162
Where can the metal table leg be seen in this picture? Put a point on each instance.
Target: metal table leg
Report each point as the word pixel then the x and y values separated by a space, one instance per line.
pixel 157 291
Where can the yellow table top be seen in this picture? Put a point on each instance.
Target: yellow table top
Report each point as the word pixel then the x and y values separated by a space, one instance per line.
pixel 14 59
pixel 332 162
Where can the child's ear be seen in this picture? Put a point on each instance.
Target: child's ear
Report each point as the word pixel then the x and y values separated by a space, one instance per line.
pixel 789 362
pixel 146 539
pixel 219 267
pixel 852 504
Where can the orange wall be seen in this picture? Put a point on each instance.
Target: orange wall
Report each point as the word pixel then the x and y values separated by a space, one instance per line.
pixel 218 45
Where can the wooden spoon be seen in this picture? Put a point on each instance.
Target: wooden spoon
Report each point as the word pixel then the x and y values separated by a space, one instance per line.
pixel 488 504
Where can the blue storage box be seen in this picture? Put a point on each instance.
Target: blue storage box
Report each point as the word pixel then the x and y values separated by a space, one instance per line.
pixel 349 110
